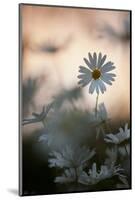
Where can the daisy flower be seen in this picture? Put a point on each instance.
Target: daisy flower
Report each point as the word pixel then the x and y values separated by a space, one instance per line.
pixel 94 176
pixel 97 74
pixel 71 156
pixel 122 136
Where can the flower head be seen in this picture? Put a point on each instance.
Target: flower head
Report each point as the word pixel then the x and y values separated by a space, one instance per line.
pixel 97 73
pixel 94 176
pixel 69 175
pixel 71 156
pixel 122 136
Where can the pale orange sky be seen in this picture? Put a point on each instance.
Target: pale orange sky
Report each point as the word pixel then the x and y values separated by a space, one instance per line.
pixel 76 32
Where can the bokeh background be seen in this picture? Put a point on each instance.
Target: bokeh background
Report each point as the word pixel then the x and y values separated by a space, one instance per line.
pixel 54 42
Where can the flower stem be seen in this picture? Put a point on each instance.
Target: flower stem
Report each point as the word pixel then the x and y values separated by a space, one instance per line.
pixel 126 149
pixel 96 106
pixel 44 123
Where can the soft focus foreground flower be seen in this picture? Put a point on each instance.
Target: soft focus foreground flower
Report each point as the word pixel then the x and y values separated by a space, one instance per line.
pixel 71 156
pixel 94 176
pixel 122 136
pixel 69 175
pixel 97 74
pixel 54 141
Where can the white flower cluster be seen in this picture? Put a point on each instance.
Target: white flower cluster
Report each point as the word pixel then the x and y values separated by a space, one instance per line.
pixel 78 161
pixel 94 176
pixel 71 156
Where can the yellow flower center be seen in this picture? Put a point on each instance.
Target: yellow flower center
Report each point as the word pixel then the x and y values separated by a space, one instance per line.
pixel 96 74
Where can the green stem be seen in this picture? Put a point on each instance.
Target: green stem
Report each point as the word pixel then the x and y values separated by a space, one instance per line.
pixel 96 106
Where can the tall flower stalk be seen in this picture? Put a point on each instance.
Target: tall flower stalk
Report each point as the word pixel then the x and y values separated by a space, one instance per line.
pixel 96 106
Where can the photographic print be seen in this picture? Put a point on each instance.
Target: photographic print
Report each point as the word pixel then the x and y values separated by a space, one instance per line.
pixel 75 105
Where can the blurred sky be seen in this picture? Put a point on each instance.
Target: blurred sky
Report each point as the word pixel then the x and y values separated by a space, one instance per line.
pixel 55 40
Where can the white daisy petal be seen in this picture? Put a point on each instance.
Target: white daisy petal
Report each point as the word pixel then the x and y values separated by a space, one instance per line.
pixel 85 79
pixel 110 74
pixel 103 60
pixel 108 64
pixel 106 80
pixel 101 86
pixel 105 77
pixel 80 82
pixel 83 69
pixel 92 86
pixel 85 76
pixel 112 79
pixel 99 59
pixel 88 63
pixel 112 138
pixel 91 60
pixel 94 59
pixel 107 140
pixel 107 68
pixel 97 88
pixel 85 83
pixel 121 131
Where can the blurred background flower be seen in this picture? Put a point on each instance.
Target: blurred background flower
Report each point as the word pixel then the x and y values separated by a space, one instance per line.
pixel 122 136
